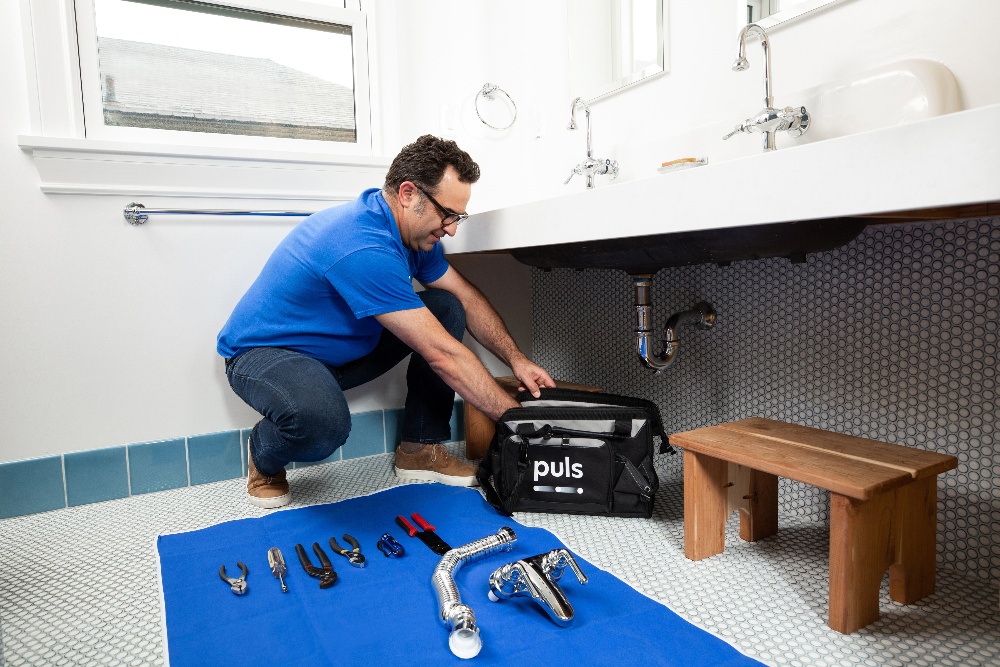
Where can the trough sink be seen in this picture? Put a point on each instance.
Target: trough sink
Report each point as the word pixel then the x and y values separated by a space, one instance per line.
pixel 784 203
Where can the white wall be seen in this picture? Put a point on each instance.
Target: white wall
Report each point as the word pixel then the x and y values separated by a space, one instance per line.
pixel 107 331
pixel 522 46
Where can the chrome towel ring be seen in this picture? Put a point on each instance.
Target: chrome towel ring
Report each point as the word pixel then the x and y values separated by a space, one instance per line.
pixel 489 92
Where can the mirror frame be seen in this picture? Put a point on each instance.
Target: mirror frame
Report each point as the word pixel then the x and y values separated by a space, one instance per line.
pixel 650 72
pixel 785 15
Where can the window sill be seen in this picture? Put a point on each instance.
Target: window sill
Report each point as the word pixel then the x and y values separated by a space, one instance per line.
pixel 85 166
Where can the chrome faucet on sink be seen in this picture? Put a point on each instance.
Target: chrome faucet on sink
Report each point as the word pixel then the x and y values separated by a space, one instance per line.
pixel 591 166
pixel 768 120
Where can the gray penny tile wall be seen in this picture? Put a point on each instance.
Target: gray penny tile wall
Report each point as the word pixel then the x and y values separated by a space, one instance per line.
pixel 892 337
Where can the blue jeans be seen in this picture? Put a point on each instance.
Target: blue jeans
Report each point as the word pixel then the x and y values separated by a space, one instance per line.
pixel 305 414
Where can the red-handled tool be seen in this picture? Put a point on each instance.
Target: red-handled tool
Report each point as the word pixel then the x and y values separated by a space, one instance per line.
pixel 426 534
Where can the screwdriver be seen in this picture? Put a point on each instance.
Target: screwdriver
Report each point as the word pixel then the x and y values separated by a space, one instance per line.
pixel 278 568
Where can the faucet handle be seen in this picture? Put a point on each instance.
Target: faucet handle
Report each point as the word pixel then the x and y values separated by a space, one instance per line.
pixel 611 168
pixel 796 120
pixel 574 172
pixel 736 130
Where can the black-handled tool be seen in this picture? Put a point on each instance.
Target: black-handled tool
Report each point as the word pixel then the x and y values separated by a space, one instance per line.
pixel 426 534
pixel 239 584
pixel 325 573
pixel 354 555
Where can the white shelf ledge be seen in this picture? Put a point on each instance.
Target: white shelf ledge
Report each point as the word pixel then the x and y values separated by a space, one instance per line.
pixel 84 166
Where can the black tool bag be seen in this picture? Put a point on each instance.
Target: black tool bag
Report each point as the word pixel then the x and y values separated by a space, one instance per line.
pixel 573 452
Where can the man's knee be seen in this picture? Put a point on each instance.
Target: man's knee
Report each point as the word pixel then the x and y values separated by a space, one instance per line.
pixel 321 428
pixel 448 310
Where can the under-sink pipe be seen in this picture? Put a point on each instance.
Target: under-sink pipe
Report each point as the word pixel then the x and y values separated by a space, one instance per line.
pixel 464 640
pixel 702 316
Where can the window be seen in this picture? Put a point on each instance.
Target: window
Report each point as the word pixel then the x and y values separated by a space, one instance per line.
pixel 117 107
pixel 234 74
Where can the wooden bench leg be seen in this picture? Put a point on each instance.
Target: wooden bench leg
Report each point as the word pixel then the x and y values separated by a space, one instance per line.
pixel 859 555
pixel 759 516
pixel 705 507
pixel 914 532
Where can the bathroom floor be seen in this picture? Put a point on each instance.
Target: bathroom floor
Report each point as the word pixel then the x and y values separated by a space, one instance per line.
pixel 78 586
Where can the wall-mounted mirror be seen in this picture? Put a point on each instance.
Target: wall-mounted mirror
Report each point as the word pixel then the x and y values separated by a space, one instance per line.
pixel 769 13
pixel 614 44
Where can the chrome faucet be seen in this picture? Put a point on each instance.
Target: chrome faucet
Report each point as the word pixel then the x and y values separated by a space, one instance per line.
pixel 591 166
pixel 768 120
pixel 538 578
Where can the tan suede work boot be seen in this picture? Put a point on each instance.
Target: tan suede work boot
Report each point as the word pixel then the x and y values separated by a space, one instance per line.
pixel 433 463
pixel 266 492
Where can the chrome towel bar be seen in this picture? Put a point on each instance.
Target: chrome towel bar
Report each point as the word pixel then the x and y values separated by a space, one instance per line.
pixel 136 214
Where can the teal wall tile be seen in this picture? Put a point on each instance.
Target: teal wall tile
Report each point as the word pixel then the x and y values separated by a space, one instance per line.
pixel 393 420
pixel 458 421
pixel 157 466
pixel 95 475
pixel 244 434
pixel 367 435
pixel 215 456
pixel 27 487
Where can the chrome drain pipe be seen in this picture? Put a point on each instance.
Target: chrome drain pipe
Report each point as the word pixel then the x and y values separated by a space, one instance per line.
pixel 464 640
pixel 702 316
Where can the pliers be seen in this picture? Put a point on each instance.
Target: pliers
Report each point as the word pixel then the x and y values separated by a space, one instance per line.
pixel 239 585
pixel 326 575
pixel 353 556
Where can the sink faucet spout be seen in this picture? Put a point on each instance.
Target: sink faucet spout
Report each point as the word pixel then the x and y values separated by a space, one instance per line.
pixel 742 64
pixel 579 101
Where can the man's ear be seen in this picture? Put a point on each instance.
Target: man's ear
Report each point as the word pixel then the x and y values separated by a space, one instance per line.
pixel 406 193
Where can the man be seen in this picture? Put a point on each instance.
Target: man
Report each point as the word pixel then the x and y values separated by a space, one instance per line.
pixel 334 307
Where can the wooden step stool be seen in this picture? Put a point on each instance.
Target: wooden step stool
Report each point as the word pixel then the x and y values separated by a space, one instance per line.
pixel 883 504
pixel 479 428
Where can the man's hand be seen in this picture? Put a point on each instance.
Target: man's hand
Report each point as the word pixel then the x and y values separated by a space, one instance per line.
pixel 532 377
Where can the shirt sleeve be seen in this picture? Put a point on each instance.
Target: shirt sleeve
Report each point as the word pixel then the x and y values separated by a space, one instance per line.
pixel 374 281
pixel 431 265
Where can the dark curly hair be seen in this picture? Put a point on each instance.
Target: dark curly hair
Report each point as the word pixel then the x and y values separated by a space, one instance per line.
pixel 423 162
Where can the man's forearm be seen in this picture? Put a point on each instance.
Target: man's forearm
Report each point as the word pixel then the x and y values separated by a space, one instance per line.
pixel 488 328
pixel 453 362
pixel 464 373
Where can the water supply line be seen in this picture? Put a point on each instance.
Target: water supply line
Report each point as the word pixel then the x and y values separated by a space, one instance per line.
pixel 464 640
pixel 702 316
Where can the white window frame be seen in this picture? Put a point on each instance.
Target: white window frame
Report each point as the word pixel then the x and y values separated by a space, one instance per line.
pixel 94 108
pixel 72 161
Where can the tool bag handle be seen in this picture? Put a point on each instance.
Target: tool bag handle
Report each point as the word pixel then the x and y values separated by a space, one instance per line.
pixel 601 398
pixel 622 429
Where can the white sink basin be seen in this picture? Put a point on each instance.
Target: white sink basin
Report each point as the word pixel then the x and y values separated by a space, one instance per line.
pixel 895 94
pixel 901 92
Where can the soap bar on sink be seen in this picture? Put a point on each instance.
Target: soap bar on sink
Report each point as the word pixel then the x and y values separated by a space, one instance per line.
pixel 682 163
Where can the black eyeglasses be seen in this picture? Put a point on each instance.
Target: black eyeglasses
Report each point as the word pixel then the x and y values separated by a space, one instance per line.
pixel 447 217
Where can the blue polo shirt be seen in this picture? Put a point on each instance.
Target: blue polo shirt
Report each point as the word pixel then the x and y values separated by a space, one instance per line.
pixel 321 288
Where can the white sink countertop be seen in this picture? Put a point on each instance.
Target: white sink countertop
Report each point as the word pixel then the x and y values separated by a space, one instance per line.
pixel 949 160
